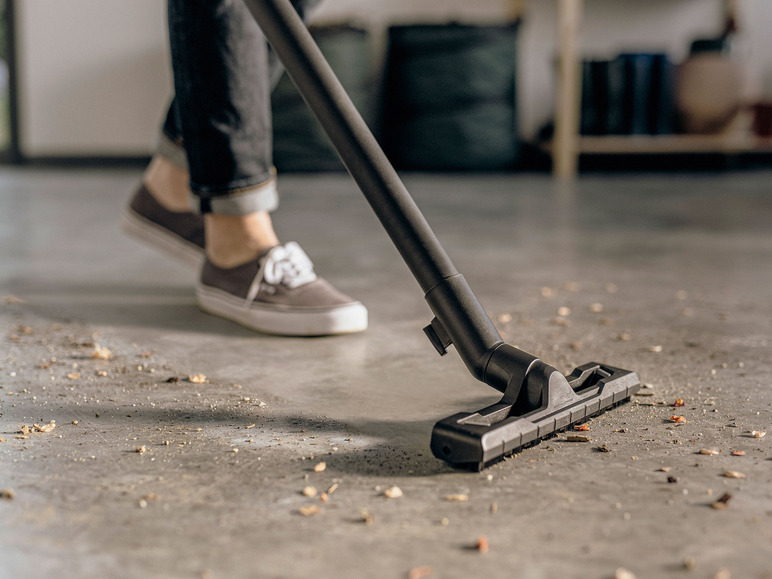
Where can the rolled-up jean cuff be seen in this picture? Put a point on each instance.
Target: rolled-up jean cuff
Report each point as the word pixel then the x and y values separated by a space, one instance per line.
pixel 172 151
pixel 262 197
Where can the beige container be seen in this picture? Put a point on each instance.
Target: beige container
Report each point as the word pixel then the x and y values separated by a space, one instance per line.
pixel 711 91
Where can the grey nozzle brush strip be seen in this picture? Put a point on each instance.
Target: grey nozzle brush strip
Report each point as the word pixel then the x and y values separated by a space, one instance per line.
pixel 538 400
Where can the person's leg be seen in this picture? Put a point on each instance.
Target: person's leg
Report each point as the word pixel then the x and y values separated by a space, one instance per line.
pixel 166 177
pixel 159 212
pixel 219 124
pixel 222 87
pixel 227 132
pixel 170 152
pixel 222 76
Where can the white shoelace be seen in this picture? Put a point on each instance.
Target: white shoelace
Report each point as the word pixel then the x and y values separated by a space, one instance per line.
pixel 285 264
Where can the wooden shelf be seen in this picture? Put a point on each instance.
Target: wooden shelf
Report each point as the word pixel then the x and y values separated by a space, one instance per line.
pixel 568 144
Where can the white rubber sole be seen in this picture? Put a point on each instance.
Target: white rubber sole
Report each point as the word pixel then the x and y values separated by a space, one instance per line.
pixel 160 238
pixel 346 319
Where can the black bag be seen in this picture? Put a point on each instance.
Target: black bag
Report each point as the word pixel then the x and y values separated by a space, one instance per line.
pixel 449 97
pixel 299 142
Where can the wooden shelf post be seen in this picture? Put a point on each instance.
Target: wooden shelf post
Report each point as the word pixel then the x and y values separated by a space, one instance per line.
pixel 565 154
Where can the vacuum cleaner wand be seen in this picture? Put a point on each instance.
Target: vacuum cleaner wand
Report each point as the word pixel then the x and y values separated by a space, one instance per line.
pixel 538 400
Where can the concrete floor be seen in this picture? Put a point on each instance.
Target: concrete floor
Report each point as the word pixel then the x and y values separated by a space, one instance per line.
pixel 680 265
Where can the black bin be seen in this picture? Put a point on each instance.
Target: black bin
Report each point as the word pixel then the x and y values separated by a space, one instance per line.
pixel 299 142
pixel 449 97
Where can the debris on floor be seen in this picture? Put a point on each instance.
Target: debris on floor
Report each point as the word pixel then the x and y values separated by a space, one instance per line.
pixel 146 403
pixel 366 517
pixel 393 492
pixel 482 544
pixel 101 353
pixel 420 572
pixel 722 502
pixel 25 430
pixel 309 510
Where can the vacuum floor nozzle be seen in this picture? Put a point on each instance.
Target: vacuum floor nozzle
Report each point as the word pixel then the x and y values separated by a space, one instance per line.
pixel 475 440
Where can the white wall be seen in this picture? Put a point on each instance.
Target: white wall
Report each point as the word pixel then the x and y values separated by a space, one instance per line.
pixel 755 20
pixel 95 77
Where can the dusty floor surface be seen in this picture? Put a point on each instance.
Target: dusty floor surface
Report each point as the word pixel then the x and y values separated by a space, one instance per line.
pixel 149 473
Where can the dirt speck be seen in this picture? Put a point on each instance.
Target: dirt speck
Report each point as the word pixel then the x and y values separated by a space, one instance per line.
pixel 392 492
pixel 420 572
pixel 722 502
pixel 309 491
pixel 366 517
pixel 482 545
pixel 309 510
pixel 101 353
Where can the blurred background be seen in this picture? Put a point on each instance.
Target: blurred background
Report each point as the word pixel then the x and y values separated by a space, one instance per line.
pixel 447 85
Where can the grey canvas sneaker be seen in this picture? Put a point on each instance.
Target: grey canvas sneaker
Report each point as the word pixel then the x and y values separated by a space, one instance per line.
pixel 279 293
pixel 178 234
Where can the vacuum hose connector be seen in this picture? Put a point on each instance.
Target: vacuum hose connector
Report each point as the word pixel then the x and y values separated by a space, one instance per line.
pixel 460 320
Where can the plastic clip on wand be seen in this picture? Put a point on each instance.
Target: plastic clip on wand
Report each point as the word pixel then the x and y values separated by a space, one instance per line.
pixel 538 400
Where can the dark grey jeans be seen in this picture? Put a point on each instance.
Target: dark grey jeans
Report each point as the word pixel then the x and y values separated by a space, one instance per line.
pixel 223 72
